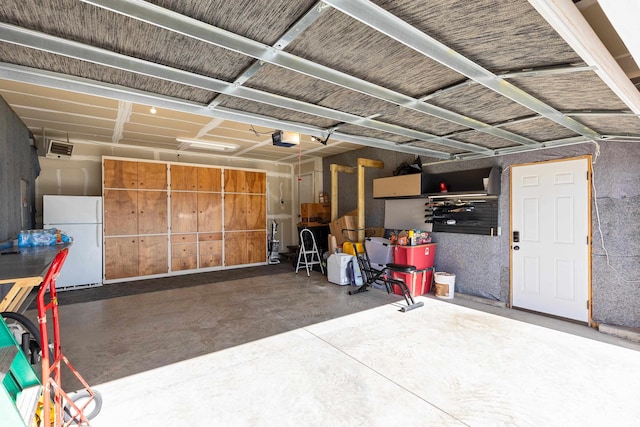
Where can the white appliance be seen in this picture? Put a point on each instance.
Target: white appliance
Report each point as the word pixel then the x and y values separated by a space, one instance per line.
pixel 81 218
pixel 337 269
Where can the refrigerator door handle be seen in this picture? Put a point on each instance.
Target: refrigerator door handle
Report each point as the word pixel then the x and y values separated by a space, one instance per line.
pixel 98 210
pixel 98 236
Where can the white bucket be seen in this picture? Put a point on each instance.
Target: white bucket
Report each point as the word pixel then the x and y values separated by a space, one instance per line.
pixel 445 285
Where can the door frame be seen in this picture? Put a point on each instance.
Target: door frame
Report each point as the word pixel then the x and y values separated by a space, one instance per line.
pixel 588 157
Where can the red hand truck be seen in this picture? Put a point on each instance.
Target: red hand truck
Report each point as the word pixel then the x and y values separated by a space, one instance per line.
pixel 59 406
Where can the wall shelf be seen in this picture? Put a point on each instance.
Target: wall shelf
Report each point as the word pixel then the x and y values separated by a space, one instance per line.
pixel 474 182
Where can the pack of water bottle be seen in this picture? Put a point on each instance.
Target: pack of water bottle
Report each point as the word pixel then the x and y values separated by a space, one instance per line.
pixel 43 237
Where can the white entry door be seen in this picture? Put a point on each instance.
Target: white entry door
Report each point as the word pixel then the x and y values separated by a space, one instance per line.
pixel 549 237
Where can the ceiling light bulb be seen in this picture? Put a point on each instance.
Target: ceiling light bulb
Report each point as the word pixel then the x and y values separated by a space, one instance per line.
pixel 153 110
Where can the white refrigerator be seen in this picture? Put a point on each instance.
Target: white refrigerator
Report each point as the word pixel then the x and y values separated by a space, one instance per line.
pixel 81 218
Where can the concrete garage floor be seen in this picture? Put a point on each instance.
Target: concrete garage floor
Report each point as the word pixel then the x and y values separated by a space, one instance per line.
pixel 287 350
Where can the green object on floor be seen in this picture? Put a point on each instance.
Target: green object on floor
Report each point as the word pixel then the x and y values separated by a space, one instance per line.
pixel 20 385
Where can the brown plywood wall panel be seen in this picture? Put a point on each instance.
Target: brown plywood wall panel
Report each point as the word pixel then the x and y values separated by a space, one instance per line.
pixel 210 253
pixel 235 248
pixel 235 212
pixel 152 255
pixel 120 212
pixel 209 179
pixel 256 247
pixel 120 174
pixel 209 212
pixel 152 212
pixel 234 181
pixel 152 176
pixel 256 182
pixel 121 257
pixel 184 256
pixel 184 212
pixel 256 212
pixel 184 177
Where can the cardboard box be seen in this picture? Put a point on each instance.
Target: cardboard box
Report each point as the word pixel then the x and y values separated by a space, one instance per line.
pixel 345 222
pixel 315 212
pixel 375 231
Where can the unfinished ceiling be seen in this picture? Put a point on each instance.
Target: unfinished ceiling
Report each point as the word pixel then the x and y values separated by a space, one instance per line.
pixel 444 79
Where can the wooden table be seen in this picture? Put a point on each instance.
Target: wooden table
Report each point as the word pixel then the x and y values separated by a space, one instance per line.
pixel 21 272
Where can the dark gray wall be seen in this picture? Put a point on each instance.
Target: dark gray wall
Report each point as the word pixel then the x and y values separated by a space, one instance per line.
pixel 348 183
pixel 481 263
pixel 16 162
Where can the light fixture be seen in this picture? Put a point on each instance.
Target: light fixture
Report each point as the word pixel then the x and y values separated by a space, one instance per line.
pixel 205 145
pixel 283 138
pixel 153 110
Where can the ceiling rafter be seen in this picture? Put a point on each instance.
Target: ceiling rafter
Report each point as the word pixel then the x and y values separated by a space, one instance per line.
pixel 294 31
pixel 59 46
pixel 91 87
pixel 392 26
pixel 181 24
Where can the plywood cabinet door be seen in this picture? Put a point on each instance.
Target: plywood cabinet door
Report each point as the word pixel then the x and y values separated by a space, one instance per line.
pixel 184 212
pixel 152 176
pixel 120 212
pixel 184 252
pixel 210 253
pixel 240 181
pixel 184 177
pixel 120 174
pixel 256 182
pixel 256 212
pixel 210 179
pixel 121 257
pixel 235 248
pixel 152 255
pixel 235 212
pixel 209 212
pixel 234 181
pixel 152 212
pixel 398 186
pixel 256 247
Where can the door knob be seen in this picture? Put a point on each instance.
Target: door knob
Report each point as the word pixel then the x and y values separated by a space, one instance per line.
pixel 516 247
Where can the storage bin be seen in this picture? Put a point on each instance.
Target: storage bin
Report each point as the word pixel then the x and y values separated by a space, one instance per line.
pixel 337 271
pixel 417 288
pixel 351 247
pixel 421 256
pixel 380 251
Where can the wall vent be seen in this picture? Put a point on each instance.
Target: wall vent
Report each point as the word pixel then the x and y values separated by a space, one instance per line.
pixel 59 149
